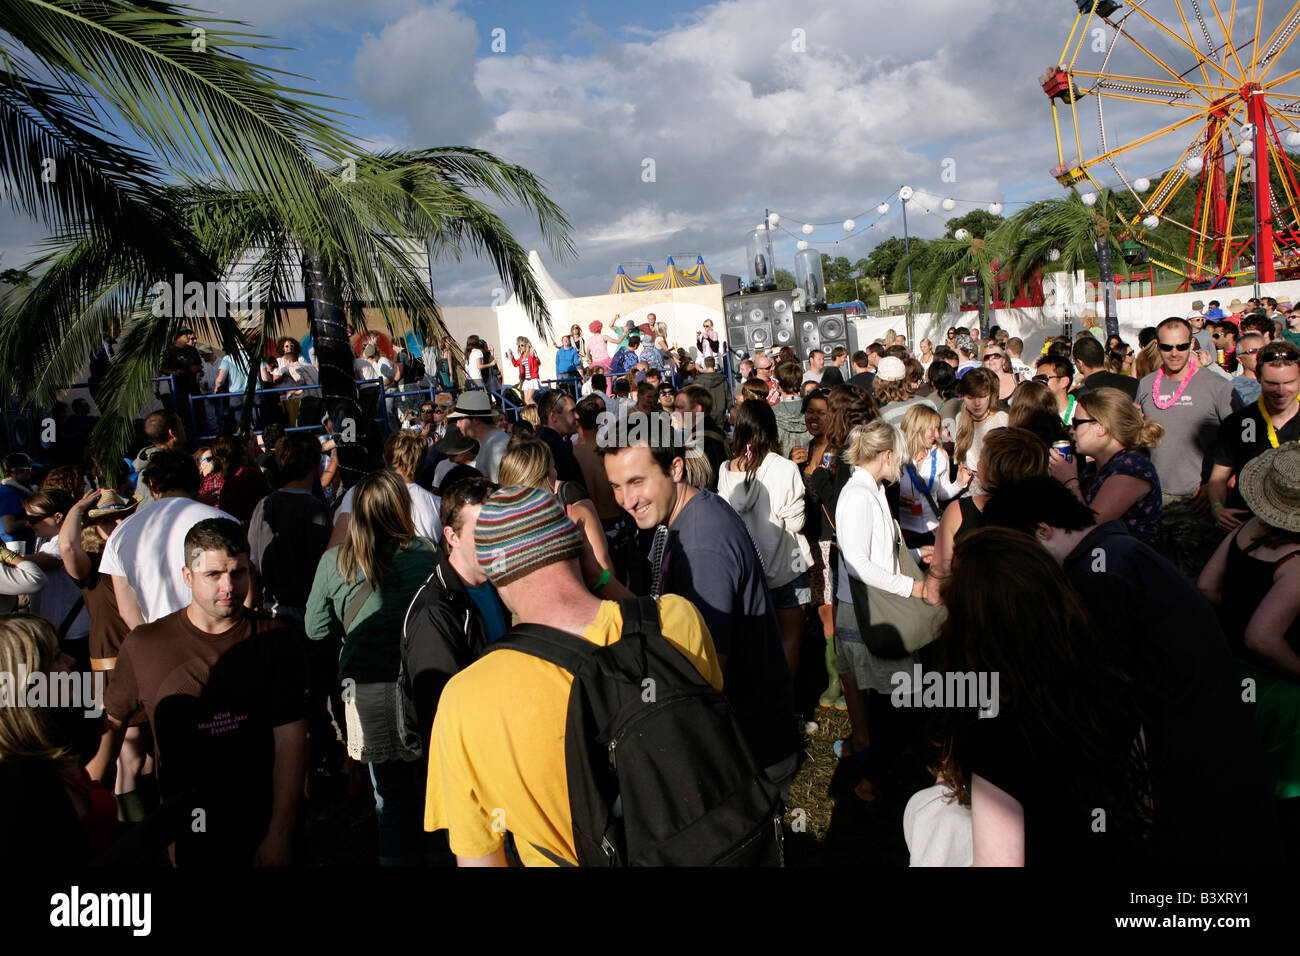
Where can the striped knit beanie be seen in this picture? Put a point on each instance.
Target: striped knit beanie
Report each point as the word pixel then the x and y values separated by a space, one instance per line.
pixel 520 530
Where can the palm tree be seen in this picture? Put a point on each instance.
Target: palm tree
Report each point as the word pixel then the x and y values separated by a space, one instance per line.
pixel 257 169
pixel 940 265
pixel 1068 234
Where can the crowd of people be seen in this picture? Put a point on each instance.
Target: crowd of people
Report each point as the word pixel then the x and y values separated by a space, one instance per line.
pixel 1101 536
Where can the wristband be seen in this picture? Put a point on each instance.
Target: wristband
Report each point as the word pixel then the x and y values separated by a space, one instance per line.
pixel 1217 504
pixel 604 579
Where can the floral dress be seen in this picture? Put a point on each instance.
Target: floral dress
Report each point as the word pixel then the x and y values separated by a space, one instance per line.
pixel 1143 518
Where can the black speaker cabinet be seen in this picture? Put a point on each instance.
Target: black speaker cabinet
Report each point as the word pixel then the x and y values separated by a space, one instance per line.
pixel 825 331
pixel 759 321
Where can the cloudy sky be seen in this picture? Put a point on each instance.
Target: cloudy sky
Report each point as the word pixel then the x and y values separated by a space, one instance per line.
pixel 818 111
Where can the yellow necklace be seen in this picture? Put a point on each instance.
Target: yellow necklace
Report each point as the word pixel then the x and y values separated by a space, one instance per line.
pixel 1268 422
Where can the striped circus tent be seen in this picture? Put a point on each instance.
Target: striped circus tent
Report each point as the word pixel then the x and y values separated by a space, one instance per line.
pixel 670 278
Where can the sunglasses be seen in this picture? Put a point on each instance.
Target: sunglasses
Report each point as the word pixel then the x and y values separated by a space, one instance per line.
pixel 992 355
pixel 1253 351
pixel 1082 421
pixel 31 517
pixel 1181 346
pixel 205 461
pixel 1216 335
pixel 1042 378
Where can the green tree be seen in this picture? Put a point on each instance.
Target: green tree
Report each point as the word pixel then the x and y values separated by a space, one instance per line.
pixel 978 222
pixel 784 279
pixel 882 262
pixel 226 158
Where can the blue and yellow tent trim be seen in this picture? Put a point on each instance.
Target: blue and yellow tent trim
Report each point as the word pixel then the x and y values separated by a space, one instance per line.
pixel 670 278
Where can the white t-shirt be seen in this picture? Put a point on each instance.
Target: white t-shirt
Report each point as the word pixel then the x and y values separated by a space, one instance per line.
pixel 425 509
pixel 363 370
pixel 472 363
pixel 57 598
pixel 148 549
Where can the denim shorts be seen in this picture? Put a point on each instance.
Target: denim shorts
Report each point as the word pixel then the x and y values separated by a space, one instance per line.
pixel 794 594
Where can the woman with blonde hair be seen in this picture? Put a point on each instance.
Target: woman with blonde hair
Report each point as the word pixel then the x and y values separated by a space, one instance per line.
pixel 49 808
pixel 1119 483
pixel 978 390
pixel 529 462
pixel 867 538
pixel 924 485
pixel 1148 360
pixel 529 365
pixel 360 596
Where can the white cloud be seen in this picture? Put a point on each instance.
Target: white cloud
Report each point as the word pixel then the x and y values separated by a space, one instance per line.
pixel 419 70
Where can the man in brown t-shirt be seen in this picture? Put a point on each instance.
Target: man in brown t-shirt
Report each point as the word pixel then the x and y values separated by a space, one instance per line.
pixel 225 691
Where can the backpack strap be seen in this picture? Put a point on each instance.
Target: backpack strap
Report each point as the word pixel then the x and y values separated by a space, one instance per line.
pixel 640 617
pixel 550 644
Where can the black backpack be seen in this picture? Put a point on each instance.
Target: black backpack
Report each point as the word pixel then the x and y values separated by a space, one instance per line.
pixel 414 367
pixel 659 773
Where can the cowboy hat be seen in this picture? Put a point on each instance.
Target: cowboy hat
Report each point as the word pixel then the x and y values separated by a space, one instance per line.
pixel 456 444
pixel 1270 484
pixel 113 505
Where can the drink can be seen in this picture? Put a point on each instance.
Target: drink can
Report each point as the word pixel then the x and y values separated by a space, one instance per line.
pixel 828 460
pixel 1065 448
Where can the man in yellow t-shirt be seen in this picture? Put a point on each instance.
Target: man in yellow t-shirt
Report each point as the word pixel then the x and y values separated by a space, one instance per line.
pixel 496 760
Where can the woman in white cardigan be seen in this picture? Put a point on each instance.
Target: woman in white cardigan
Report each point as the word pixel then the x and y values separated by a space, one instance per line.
pixel 767 491
pixel 866 533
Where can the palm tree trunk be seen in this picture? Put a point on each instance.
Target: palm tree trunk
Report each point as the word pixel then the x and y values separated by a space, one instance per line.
pixel 1107 276
pixel 353 434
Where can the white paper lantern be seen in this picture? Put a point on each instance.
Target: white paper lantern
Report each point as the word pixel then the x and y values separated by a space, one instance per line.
pixel 1194 165
pixel 1151 222
pixel 1293 138
pixel 1089 199
pixel 1247 147
pixel 995 208
pixel 961 234
pixel 807 229
pixel 882 208
pixel 801 245
pixel 849 225
pixel 774 219
pixel 949 204
pixel 905 193
pixel 1141 184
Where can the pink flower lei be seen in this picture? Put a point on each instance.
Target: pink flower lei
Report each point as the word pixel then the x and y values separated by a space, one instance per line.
pixel 1160 375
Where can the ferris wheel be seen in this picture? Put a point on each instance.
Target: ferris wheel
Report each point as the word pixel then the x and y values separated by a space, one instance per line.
pixel 1169 99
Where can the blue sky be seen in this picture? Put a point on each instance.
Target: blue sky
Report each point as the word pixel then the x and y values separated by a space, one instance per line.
pixel 818 111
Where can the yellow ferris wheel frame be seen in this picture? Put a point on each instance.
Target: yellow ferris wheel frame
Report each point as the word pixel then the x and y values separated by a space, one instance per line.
pixel 1230 88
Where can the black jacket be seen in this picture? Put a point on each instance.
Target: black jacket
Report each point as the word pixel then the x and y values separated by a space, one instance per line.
pixel 442 635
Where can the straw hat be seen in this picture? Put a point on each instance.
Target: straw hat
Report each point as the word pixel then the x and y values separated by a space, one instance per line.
pixel 1270 484
pixel 1236 305
pixel 113 505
